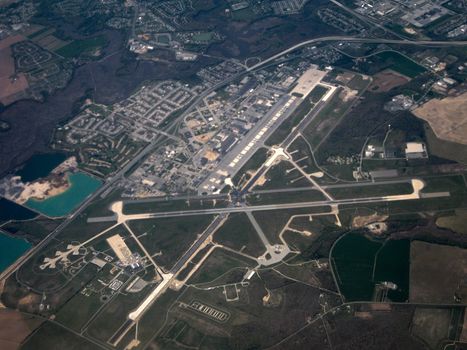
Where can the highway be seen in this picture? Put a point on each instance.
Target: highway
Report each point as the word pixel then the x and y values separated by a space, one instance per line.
pixel 108 184
pixel 111 181
pixel 357 40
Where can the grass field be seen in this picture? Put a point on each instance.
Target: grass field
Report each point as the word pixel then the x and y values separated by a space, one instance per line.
pixel 371 191
pixel 244 15
pixel 79 310
pixel 283 175
pixel 267 310
pixel 317 93
pixel 117 310
pixel 203 36
pixel 358 82
pixel 152 322
pixel 285 197
pixel 431 324
pixel 51 336
pixel 327 118
pixel 301 154
pixel 312 272
pixel 400 64
pixel 239 234
pixel 287 125
pixel 78 47
pixel 273 221
pixel 169 238
pixel 441 263
pixel 218 263
pixel 451 183
pixel 454 222
pixel 35 230
pixel 253 164
pixel 445 149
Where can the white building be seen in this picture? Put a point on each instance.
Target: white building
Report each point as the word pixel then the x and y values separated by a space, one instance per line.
pixel 415 150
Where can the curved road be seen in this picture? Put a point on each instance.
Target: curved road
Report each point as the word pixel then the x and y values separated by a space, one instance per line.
pixel 111 181
pixel 357 40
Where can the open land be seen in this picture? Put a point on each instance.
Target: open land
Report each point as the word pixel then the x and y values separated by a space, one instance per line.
pixel 446 117
pixel 236 209
pixel 387 80
pixel 426 261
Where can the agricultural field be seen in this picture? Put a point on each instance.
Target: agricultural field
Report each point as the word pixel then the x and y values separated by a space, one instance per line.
pixel 286 174
pixel 445 117
pixel 443 263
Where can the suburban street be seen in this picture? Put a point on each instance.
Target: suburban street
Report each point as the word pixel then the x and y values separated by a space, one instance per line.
pixel 173 126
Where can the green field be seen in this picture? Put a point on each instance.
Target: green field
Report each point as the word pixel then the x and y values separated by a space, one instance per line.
pixel 400 64
pixel 281 176
pixel 117 310
pixel 52 336
pixel 35 230
pixel 317 93
pixel 244 15
pixel 170 237
pixel 218 263
pixel 273 221
pixel 78 47
pixel 203 36
pixel 317 226
pixel 239 234
pixel 253 164
pixel 163 39
pixel 307 195
pixel 454 222
pixel 326 119
pixel 287 125
pixel 375 190
pixel 451 183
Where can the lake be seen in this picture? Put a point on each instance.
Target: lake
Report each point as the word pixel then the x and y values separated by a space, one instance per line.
pixel 360 263
pixel 40 165
pixel 11 249
pixel 81 185
pixel 11 211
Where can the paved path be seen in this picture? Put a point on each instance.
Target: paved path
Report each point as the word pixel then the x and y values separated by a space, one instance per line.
pixel 274 253
pixel 111 181
pixel 266 207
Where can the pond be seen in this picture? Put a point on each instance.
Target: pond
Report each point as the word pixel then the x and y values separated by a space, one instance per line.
pixel 360 263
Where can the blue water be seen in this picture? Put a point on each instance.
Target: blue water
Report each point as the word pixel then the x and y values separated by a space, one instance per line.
pixel 81 185
pixel 11 249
